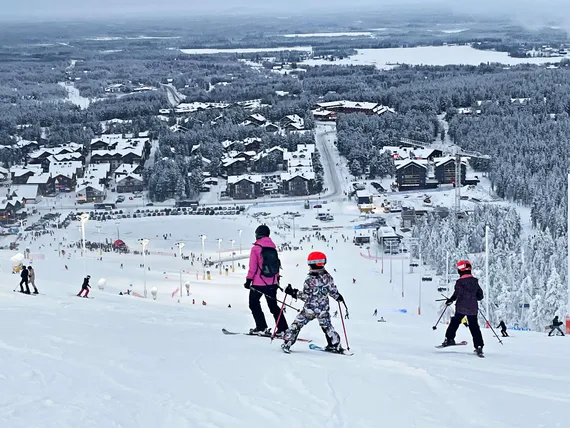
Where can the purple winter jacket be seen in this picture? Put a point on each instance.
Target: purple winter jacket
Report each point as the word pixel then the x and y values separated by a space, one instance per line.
pixel 256 262
pixel 467 293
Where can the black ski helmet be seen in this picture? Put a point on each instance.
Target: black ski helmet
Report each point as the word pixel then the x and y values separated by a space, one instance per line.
pixel 262 231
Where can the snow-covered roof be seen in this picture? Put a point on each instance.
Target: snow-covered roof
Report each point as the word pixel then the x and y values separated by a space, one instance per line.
pixel 62 157
pixel 125 169
pixel 134 176
pixel 445 159
pixel 4 171
pixel 42 178
pixel 65 148
pixel 423 153
pixel 293 118
pixel 236 154
pixel 356 105
pixel 25 143
pixel 403 163
pixel 232 179
pixel 97 171
pixel 307 175
pixel 258 117
pixel 230 161
pixel 24 191
pixel 18 171
pixel 228 143
pixel 85 183
pixel 197 106
pixel 68 169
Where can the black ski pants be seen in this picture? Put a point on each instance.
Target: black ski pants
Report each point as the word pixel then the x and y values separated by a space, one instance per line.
pixel 270 292
pixel 554 328
pixel 473 328
pixel 24 281
pixel 504 333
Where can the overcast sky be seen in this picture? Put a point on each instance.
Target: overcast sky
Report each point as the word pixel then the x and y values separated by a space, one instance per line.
pixel 65 9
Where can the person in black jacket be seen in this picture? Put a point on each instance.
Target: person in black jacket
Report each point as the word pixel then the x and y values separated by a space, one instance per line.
pixel 556 326
pixel 503 327
pixel 24 280
pixel 85 287
pixel 467 294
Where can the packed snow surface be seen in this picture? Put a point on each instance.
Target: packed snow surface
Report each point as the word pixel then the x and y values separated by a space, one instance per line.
pixel 123 361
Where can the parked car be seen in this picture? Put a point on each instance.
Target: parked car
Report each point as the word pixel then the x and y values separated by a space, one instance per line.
pixel 150 204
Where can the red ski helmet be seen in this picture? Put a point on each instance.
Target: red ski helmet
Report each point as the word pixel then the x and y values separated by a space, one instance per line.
pixel 463 265
pixel 316 258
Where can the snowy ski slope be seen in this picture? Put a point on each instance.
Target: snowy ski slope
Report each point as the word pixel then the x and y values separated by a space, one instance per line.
pixel 123 361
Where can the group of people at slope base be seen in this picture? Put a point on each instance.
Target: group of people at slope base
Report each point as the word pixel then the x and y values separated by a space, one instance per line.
pixel 263 280
pixel 27 277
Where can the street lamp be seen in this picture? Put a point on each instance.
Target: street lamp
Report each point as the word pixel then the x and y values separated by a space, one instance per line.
pixel 83 218
pixel 98 227
pixel 240 232
pixel 203 237
pixel 233 241
pixel 118 223
pixel 220 254
pixel 180 245
pixel 144 242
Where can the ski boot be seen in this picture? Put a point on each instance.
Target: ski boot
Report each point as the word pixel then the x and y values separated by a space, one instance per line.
pixel 280 335
pixel 286 347
pixel 36 292
pixel 260 332
pixel 479 351
pixel 448 342
pixel 335 349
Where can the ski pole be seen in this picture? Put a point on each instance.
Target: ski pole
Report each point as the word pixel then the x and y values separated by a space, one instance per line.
pixel 490 326
pixel 274 298
pixel 278 319
pixel 343 326
pixel 440 317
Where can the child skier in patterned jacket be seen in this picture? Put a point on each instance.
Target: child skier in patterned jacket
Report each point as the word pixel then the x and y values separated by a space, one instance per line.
pixel 318 286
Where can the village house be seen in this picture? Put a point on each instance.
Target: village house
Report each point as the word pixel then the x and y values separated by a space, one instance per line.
pixel 234 166
pixel 8 209
pixel 120 150
pixel 45 183
pixel 25 193
pixel 244 186
pixel 254 120
pixel 298 184
pixel 271 127
pixel 355 107
pixel 290 120
pixel 89 191
pixel 444 170
pixel 125 169
pixel 20 174
pixel 98 173
pixel 129 183
pixel 4 174
pixel 411 174
pixel 269 160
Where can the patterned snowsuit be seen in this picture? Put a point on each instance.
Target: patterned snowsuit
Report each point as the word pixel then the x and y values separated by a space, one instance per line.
pixel 318 286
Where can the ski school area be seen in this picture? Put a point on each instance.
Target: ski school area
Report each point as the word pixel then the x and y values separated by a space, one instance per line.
pixel 118 360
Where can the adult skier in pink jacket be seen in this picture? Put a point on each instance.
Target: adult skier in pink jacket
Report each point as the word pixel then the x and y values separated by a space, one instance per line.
pixel 263 279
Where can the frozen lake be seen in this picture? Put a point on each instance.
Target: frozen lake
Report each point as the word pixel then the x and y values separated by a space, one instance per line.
pixel 245 50
pixel 347 34
pixel 429 55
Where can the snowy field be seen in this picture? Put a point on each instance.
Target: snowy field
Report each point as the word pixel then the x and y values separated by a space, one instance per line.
pixel 429 55
pixel 123 361
pixel 74 97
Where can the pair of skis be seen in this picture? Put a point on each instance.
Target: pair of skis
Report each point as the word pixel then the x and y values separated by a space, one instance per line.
pixel 311 345
pixel 462 343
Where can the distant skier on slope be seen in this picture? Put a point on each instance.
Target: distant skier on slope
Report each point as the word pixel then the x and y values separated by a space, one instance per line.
pixel 85 287
pixel 467 294
pixel 32 278
pixel 24 280
pixel 263 279
pixel 555 326
pixel 503 328
pixel 318 286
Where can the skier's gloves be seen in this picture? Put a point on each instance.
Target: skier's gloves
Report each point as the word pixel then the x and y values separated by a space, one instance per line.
pixel 247 284
pixel 340 298
pixel 291 291
pixel 448 302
